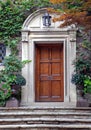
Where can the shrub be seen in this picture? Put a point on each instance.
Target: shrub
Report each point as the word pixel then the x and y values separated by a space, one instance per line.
pixel 82 73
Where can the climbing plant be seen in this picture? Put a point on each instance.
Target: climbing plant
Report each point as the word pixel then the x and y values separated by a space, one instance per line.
pixel 11 19
pixel 12 15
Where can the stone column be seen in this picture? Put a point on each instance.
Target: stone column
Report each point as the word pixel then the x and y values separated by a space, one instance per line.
pixel 72 55
pixel 25 55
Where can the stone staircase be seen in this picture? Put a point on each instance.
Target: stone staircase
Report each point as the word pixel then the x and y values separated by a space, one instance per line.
pixel 45 118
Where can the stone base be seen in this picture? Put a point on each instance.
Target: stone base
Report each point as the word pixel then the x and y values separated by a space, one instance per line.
pixel 87 96
pixel 12 102
pixel 82 102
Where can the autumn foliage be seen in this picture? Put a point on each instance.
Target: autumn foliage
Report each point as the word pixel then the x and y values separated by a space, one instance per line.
pixel 76 12
pixel 57 1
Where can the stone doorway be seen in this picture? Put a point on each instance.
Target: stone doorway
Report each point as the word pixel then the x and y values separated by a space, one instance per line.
pixel 34 34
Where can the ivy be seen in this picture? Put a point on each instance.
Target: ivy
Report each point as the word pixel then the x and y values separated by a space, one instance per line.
pixel 10 22
pixel 12 15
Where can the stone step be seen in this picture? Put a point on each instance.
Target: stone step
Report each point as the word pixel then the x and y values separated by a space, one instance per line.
pixel 43 126
pixel 81 109
pixel 45 120
pixel 40 118
pixel 45 110
pixel 27 113
pixel 44 114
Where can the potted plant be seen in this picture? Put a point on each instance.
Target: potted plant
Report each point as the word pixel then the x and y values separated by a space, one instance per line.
pixel 82 78
pixel 11 78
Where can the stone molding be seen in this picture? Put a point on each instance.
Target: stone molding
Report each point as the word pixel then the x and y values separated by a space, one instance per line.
pixel 32 35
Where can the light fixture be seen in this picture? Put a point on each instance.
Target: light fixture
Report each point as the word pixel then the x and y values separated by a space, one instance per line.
pixel 46 19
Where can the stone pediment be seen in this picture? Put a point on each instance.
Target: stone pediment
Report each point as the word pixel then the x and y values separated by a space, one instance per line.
pixel 34 21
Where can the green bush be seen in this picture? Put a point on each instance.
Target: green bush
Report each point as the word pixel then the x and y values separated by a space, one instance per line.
pixel 11 75
pixel 78 79
pixel 87 84
pixel 82 73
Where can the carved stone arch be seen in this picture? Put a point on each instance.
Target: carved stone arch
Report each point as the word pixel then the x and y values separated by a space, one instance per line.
pixel 32 16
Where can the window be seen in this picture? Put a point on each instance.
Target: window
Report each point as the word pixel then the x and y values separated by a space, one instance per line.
pixel 2 52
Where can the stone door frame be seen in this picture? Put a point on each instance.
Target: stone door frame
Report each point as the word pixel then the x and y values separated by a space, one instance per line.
pixel 33 35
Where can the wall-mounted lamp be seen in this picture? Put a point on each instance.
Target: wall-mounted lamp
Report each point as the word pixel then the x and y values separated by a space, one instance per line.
pixel 46 19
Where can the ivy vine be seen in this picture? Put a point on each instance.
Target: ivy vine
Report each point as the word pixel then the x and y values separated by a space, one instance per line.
pixel 12 15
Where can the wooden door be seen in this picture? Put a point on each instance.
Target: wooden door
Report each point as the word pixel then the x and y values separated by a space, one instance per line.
pixel 49 71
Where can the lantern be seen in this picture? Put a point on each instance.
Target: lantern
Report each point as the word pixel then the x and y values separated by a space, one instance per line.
pixel 46 19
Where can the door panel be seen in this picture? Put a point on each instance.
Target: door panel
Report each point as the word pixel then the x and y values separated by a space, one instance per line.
pixel 55 53
pixel 49 84
pixel 44 54
pixel 56 90
pixel 44 71
pixel 44 89
pixel 55 68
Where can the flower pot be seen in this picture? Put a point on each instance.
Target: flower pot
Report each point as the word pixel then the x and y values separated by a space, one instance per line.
pixel 87 96
pixel 12 102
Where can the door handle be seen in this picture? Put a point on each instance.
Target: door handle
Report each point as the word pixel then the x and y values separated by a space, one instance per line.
pixel 50 77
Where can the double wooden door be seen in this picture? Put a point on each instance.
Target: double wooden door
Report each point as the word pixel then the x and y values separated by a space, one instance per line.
pixel 49 86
